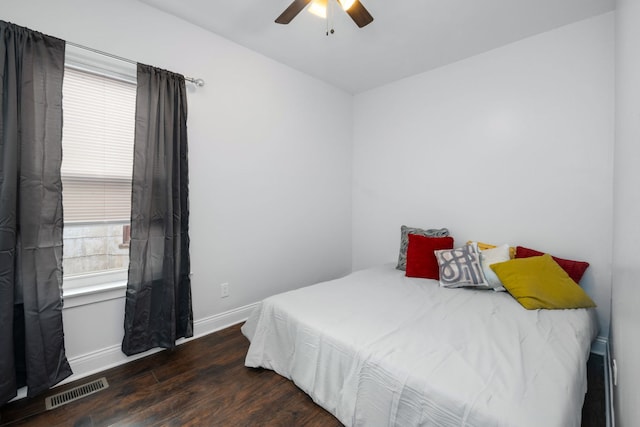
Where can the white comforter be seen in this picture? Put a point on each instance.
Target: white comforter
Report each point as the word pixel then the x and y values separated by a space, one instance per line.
pixel 379 349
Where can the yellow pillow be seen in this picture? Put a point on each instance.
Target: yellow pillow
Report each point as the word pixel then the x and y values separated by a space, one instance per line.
pixel 539 282
pixel 485 246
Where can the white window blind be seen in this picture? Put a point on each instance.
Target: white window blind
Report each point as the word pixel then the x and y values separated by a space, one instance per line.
pixel 97 147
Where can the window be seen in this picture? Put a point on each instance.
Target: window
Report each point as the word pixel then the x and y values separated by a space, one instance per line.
pixel 97 165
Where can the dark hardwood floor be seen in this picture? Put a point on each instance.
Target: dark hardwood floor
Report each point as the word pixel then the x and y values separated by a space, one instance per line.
pixel 201 383
pixel 594 409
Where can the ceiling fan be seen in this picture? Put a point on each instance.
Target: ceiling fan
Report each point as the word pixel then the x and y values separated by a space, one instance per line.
pixel 354 8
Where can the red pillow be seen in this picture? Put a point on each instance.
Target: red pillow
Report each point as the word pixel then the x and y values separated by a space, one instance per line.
pixel 575 269
pixel 421 261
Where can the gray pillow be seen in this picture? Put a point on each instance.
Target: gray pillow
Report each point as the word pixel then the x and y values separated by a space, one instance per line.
pixel 404 241
pixel 460 267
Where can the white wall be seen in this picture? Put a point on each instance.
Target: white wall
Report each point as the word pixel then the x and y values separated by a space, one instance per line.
pixel 270 181
pixel 514 145
pixel 625 318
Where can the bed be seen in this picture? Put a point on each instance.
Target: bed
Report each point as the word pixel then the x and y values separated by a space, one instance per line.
pixel 376 348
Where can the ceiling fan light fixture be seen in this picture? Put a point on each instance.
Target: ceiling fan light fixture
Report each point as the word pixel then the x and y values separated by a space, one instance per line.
pixel 354 8
pixel 318 8
pixel 346 4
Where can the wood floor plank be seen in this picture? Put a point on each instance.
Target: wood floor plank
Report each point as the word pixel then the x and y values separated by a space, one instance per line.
pixel 200 383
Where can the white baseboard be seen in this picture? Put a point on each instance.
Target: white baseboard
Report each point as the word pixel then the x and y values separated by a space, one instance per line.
pixel 109 357
pixel 608 387
pixel 599 346
pixel 220 321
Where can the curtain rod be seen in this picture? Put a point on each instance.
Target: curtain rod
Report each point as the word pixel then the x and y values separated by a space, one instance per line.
pixel 197 82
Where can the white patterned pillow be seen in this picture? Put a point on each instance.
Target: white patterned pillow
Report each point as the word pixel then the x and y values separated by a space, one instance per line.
pixel 492 256
pixel 460 267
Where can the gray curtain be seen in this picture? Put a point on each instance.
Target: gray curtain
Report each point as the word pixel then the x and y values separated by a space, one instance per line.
pixel 158 302
pixel 31 336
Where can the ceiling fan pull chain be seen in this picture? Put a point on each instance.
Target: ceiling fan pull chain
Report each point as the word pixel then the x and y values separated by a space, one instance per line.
pixel 329 14
pixel 330 17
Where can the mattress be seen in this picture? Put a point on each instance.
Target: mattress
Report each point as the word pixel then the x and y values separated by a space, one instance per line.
pixel 376 348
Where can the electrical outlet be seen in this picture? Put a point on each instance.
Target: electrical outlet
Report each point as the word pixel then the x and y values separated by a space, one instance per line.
pixel 615 372
pixel 224 290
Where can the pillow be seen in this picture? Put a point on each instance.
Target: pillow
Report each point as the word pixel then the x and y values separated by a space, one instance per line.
pixel 539 282
pixel 575 269
pixel 404 241
pixel 460 267
pixel 491 256
pixel 485 246
pixel 421 260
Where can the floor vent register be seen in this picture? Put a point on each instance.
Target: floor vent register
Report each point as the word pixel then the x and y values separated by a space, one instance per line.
pixel 76 393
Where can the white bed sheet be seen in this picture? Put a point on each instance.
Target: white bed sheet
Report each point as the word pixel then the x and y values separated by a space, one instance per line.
pixel 379 349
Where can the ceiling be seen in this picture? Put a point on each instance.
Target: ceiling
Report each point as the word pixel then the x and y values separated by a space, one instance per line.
pixel 407 36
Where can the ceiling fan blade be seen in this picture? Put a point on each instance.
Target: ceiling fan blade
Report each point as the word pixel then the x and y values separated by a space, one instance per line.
pixel 291 12
pixel 359 14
